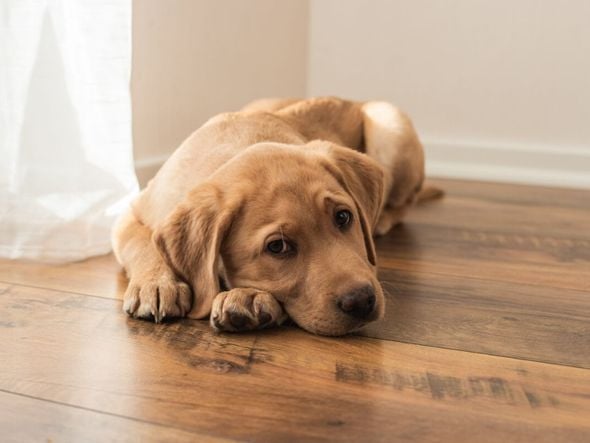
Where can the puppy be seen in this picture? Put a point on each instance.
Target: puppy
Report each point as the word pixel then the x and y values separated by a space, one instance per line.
pixel 270 213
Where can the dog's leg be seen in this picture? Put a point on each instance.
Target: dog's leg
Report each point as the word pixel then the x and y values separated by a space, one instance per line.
pixel 154 292
pixel 392 216
pixel 391 140
pixel 245 309
pixel 389 218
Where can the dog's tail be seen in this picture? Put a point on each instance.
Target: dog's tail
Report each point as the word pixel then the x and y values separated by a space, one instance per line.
pixel 428 193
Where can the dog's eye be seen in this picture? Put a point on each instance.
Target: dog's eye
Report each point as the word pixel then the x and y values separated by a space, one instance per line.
pixel 280 247
pixel 342 218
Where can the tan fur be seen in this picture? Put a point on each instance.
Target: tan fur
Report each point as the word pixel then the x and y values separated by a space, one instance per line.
pixel 277 169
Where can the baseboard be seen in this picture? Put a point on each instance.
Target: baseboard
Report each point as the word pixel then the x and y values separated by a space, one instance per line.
pixel 510 163
pixel 146 168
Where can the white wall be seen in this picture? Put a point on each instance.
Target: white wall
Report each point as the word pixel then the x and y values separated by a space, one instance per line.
pixel 195 58
pixel 498 89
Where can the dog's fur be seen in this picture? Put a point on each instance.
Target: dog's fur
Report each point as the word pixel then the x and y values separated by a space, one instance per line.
pixel 278 169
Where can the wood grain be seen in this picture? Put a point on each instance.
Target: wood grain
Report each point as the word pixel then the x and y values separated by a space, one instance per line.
pixel 465 253
pixel 521 195
pixel 79 351
pixel 493 317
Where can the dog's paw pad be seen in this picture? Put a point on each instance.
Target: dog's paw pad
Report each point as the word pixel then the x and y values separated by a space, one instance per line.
pixel 243 309
pixel 239 321
pixel 264 318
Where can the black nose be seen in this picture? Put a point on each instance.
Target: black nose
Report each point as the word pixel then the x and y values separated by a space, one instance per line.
pixel 359 302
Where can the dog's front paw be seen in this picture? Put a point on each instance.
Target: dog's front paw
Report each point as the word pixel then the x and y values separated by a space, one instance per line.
pixel 245 309
pixel 157 298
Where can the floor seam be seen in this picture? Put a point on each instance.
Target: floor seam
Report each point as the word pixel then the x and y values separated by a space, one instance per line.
pixel 477 353
pixel 111 414
pixel 66 291
pixel 468 277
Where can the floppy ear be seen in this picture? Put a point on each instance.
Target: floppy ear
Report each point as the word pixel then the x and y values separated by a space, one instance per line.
pixel 190 239
pixel 364 179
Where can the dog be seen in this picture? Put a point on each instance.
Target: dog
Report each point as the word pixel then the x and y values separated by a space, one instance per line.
pixel 269 213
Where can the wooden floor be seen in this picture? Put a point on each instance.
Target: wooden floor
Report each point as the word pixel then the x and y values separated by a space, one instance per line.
pixel 486 338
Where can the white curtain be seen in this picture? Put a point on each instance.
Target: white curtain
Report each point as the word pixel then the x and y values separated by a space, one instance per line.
pixel 66 160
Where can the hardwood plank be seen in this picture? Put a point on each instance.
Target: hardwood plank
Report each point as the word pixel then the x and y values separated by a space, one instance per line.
pixel 509 217
pixel 493 317
pixel 278 385
pixel 522 195
pixel 28 419
pixel 517 257
pixel 99 276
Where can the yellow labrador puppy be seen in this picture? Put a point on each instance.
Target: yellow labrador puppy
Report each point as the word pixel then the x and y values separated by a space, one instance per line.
pixel 270 213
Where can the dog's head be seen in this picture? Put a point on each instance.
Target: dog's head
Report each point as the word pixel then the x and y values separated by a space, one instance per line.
pixel 294 221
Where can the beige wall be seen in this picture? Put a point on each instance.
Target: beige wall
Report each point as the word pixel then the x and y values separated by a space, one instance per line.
pixel 195 58
pixel 498 89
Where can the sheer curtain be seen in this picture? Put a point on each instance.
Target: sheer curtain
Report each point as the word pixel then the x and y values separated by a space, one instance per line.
pixel 66 160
